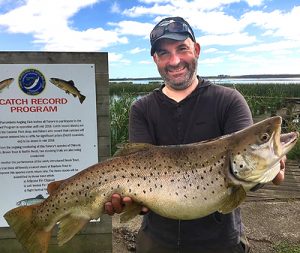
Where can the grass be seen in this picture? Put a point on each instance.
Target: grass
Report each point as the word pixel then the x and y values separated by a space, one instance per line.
pixel 119 116
pixel 263 99
pixel 285 247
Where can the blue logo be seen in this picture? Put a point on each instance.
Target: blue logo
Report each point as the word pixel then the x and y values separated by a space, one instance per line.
pixel 32 82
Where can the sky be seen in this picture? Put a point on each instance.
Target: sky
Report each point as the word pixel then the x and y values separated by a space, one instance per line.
pixel 237 37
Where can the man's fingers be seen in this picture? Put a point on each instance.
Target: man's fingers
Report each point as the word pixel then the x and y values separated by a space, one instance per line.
pixel 127 201
pixel 117 204
pixel 108 208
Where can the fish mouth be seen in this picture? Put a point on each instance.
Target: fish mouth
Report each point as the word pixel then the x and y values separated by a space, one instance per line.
pixel 287 141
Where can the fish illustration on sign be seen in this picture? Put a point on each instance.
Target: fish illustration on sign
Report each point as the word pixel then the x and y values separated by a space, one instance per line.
pixel 31 201
pixel 181 182
pixel 69 87
pixel 6 83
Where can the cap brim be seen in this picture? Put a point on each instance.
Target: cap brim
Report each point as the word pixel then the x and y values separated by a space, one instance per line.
pixel 171 36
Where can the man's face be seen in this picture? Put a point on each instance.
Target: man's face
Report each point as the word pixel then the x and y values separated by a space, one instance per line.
pixel 177 62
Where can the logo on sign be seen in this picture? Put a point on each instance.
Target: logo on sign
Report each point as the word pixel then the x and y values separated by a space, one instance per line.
pixel 32 82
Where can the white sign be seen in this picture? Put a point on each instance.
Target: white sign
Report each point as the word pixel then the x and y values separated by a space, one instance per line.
pixel 48 128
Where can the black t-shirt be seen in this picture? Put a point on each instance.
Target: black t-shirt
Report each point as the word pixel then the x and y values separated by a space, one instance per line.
pixel 208 112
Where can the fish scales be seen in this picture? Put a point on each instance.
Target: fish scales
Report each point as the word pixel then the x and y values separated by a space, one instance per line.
pixel 180 182
pixel 159 183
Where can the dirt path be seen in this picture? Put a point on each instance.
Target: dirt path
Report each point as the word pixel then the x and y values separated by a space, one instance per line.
pixel 266 224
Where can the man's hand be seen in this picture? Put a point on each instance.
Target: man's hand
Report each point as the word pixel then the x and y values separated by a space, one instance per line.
pixel 280 176
pixel 118 204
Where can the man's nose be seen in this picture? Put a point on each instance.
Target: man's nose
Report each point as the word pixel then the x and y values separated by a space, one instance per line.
pixel 174 59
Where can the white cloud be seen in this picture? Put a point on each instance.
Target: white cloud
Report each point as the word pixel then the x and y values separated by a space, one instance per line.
pixel 115 8
pixel 274 46
pixel 117 58
pixel 254 2
pixel 276 23
pixel 210 50
pixel 137 50
pixel 211 60
pixel 133 28
pixel 227 40
pixel 49 23
pixel 146 62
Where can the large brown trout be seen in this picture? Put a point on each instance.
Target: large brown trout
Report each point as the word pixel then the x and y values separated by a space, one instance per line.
pixel 179 182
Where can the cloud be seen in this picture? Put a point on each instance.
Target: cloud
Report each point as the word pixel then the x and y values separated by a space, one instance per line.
pixel 146 62
pixel 115 8
pixel 227 40
pixel 277 23
pixel 49 23
pixel 272 47
pixel 210 50
pixel 137 50
pixel 211 60
pixel 132 28
pixel 117 58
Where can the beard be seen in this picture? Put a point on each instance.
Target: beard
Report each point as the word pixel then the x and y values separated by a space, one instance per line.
pixel 185 80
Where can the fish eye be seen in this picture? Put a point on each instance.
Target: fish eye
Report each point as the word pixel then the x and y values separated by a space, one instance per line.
pixel 264 137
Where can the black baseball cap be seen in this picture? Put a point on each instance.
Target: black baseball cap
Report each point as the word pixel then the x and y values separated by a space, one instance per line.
pixel 174 28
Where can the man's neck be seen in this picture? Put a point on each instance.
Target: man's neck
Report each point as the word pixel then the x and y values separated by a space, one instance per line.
pixel 179 95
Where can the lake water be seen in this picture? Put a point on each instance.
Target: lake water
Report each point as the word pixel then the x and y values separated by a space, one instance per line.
pixel 227 80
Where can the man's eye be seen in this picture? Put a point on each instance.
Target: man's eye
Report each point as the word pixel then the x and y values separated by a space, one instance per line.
pixel 161 53
pixel 183 48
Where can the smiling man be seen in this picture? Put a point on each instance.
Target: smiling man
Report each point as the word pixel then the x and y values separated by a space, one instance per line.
pixel 186 109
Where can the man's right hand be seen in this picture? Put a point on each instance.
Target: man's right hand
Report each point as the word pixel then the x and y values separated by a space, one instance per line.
pixel 118 204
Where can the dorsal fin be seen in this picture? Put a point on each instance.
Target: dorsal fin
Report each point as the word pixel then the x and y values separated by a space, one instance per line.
pixel 71 82
pixel 53 186
pixel 131 148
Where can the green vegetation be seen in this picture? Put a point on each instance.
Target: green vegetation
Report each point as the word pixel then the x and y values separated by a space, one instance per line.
pixel 119 115
pixel 263 99
pixel 130 88
pixel 285 247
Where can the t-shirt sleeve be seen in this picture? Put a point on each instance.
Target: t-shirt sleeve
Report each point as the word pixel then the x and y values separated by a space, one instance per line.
pixel 138 126
pixel 237 114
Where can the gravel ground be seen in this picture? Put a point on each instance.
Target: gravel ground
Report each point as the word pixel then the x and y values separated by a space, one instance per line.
pixel 266 225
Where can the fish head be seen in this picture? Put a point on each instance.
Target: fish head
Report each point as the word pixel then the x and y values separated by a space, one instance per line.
pixel 257 150
pixel 55 81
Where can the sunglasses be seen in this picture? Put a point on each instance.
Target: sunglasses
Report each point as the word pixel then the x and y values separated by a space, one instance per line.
pixel 174 27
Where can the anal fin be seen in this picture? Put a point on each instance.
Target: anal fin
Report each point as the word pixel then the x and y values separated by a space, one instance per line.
pixel 236 197
pixel 68 227
pixel 130 212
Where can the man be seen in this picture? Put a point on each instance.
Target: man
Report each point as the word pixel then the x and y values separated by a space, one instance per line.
pixel 185 109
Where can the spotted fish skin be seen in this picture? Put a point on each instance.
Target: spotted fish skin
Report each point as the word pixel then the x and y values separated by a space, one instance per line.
pixel 180 182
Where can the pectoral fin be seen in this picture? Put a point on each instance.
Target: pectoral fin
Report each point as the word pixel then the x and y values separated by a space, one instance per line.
pixel 130 212
pixel 235 198
pixel 68 227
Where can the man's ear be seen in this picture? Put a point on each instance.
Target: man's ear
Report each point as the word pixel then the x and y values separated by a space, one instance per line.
pixel 197 49
pixel 154 57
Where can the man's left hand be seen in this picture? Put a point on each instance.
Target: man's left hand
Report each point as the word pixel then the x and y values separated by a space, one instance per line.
pixel 280 176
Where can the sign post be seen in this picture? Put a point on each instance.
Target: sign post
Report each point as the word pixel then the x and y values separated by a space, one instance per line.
pixel 54 122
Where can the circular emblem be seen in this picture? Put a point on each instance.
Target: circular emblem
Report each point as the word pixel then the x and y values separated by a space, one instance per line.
pixel 32 82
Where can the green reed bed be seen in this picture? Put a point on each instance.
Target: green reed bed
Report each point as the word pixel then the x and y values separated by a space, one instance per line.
pixel 119 116
pixel 263 99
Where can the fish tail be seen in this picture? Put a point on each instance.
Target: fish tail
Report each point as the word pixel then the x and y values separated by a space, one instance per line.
pixel 81 98
pixel 34 239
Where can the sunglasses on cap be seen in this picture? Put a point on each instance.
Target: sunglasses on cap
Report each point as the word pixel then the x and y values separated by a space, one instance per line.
pixel 172 28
